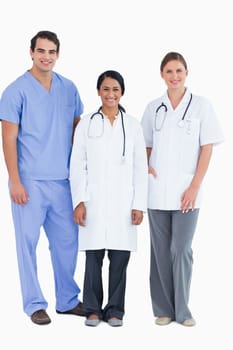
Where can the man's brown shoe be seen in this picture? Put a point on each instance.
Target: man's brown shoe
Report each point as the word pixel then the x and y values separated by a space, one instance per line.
pixel 40 317
pixel 77 310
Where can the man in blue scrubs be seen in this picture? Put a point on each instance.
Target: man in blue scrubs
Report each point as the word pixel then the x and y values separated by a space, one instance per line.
pixel 39 112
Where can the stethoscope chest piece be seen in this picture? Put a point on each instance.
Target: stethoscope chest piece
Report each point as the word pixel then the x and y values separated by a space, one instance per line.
pixel 185 124
pixel 123 160
pixel 181 123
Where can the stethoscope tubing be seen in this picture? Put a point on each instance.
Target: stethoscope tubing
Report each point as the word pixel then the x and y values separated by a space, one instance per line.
pixel 122 124
pixel 162 105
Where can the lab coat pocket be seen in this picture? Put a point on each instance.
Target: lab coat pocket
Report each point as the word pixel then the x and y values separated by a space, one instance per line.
pixel 92 204
pixel 192 127
pixel 122 205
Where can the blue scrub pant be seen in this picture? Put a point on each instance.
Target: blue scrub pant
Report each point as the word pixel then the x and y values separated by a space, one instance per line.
pixel 171 261
pixel 50 207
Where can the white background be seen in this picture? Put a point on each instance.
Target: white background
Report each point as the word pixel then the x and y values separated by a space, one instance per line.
pixel 131 37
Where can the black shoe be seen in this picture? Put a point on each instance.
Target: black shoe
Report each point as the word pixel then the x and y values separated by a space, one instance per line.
pixel 77 310
pixel 40 317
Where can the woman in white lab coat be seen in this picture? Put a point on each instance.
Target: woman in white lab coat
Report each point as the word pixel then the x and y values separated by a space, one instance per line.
pixel 180 130
pixel 109 190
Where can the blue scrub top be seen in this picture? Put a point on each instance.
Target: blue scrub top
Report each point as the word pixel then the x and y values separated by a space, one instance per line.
pixel 45 122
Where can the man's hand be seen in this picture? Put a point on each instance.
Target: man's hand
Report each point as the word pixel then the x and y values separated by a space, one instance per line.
pixel 18 194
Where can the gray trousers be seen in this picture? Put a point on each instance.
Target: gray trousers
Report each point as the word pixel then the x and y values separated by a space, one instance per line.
pixel 171 262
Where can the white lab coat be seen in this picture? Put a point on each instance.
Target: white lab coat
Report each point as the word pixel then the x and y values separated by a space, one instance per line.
pixel 175 150
pixel 109 186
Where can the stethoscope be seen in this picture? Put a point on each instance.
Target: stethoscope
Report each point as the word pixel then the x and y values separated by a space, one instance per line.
pixel 163 106
pixel 100 114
